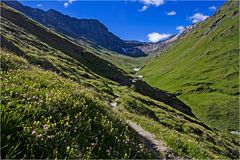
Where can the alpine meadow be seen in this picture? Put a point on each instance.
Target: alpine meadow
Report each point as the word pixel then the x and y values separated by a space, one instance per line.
pixel 77 85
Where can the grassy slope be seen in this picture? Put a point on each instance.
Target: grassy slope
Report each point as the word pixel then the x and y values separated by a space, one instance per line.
pixel 42 36
pixel 204 69
pixel 78 122
pixel 66 94
pixel 76 115
pixel 121 61
pixel 49 50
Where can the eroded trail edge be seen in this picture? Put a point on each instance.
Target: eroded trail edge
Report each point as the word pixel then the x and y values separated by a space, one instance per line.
pixel 150 141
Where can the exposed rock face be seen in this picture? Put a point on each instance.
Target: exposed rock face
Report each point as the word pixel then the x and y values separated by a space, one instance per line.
pixel 90 29
pixel 154 48
pixel 93 30
pixel 159 47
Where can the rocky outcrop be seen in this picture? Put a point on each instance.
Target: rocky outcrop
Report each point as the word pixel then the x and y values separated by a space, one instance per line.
pixel 90 29
pixel 159 47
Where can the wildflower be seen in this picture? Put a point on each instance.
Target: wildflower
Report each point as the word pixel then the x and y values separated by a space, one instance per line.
pixel 67 124
pixel 33 132
pixel 68 148
pixel 50 137
pixel 108 152
pixel 45 127
pixel 39 136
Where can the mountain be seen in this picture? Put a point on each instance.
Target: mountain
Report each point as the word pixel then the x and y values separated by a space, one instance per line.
pixel 202 68
pixel 61 100
pixel 90 61
pixel 159 47
pixel 89 29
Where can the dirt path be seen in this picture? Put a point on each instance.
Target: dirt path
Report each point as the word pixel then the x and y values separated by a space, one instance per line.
pixel 152 143
pixel 149 139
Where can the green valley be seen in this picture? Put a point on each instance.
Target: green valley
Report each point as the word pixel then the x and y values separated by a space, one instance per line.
pixel 66 98
pixel 202 68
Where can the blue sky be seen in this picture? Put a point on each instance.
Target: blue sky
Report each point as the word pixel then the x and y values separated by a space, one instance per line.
pixel 142 20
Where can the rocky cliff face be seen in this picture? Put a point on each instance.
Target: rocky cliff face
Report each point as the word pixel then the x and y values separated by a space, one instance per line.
pixel 159 47
pixel 90 29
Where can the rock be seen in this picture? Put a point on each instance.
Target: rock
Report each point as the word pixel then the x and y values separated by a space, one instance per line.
pixel 140 77
pixel 235 132
pixel 113 104
pixel 137 69
pixel 82 29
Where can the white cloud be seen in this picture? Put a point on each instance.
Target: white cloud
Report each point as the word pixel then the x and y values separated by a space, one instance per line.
pixel 39 5
pixel 148 3
pixel 152 2
pixel 70 1
pixel 198 17
pixel 180 28
pixel 155 37
pixel 212 8
pixel 66 4
pixel 171 13
pixel 143 8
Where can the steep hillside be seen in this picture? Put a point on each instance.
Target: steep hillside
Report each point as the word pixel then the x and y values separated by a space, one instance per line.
pixel 44 115
pixel 203 69
pixel 90 29
pixel 26 36
pixel 38 36
pixel 55 104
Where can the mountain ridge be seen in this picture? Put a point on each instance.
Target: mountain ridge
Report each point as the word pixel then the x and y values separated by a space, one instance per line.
pixel 92 62
pixel 203 68
pixel 59 100
pixel 90 29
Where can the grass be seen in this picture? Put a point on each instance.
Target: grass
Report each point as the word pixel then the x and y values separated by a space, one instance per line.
pixel 54 105
pixel 44 115
pixel 185 135
pixel 126 63
pixel 51 51
pixel 224 105
pixel 204 63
